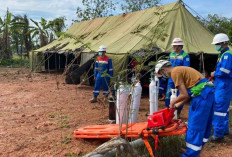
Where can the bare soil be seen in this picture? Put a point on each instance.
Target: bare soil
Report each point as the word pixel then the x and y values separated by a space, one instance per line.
pixel 39 112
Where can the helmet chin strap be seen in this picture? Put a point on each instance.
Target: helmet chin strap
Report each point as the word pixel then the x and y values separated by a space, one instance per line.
pixel 165 74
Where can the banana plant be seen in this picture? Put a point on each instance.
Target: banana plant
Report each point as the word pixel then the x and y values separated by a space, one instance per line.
pixel 41 31
pixel 7 26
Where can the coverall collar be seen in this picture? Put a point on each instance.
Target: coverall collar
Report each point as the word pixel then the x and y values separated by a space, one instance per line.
pixel 224 50
pixel 181 52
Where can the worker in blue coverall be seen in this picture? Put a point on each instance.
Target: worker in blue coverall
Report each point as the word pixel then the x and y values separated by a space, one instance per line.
pixel 223 85
pixel 103 70
pixel 199 91
pixel 177 58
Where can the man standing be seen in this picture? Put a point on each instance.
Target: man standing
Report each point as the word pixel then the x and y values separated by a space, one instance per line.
pixel 199 91
pixel 177 58
pixel 103 70
pixel 223 84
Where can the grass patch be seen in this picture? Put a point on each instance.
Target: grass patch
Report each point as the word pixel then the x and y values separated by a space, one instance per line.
pixel 67 139
pixel 15 62
pixel 63 121
pixel 168 146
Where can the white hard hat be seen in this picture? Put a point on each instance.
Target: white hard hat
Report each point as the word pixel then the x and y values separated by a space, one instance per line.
pixel 160 64
pixel 102 48
pixel 219 38
pixel 177 41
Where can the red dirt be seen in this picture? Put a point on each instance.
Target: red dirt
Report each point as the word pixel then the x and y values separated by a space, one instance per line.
pixel 39 112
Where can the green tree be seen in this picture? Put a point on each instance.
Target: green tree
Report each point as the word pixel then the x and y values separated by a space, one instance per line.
pixel 46 31
pixel 9 25
pixel 135 5
pixel 41 31
pixel 58 25
pixel 94 9
pixel 1 36
pixel 218 24
pixel 5 25
pixel 27 35
pixel 16 36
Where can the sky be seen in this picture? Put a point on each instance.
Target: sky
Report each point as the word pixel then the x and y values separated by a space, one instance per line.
pixel 50 9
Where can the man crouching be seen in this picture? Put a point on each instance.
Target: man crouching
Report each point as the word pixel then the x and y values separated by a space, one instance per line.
pixel 199 91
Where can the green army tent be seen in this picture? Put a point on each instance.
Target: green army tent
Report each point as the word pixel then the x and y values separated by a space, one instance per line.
pixel 126 33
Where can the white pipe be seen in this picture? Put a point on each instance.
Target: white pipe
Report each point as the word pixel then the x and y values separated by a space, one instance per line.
pixel 153 94
pixel 122 95
pixel 135 102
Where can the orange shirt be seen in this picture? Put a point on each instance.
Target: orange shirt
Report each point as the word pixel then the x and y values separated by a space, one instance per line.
pixel 185 75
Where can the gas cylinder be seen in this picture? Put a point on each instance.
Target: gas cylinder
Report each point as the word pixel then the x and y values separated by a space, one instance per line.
pixel 135 102
pixel 174 96
pixel 122 96
pixel 153 94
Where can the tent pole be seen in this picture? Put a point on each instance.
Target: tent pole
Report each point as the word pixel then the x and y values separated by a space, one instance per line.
pixel 55 63
pixel 66 55
pixel 48 65
pixel 203 63
pixel 32 61
pixel 200 64
pixel 59 62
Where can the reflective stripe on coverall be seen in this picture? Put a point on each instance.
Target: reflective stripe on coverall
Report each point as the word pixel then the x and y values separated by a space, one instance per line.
pixel 102 66
pixel 181 59
pixel 200 117
pixel 223 93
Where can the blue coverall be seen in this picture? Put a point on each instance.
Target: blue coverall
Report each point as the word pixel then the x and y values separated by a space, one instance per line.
pixel 163 85
pixel 200 117
pixel 102 66
pixel 182 59
pixel 223 93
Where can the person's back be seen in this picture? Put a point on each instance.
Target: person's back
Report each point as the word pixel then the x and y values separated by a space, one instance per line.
pixel 187 75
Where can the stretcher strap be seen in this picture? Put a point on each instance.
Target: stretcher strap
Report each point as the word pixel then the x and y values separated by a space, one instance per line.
pixel 156 139
pixel 147 144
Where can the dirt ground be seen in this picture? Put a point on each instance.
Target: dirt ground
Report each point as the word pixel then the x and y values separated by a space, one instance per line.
pixel 39 112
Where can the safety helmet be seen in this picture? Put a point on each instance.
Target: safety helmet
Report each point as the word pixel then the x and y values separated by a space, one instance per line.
pixel 161 64
pixel 102 48
pixel 219 38
pixel 177 41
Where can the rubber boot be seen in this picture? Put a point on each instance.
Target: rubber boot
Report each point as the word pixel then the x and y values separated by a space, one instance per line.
pixel 93 100
pixel 216 139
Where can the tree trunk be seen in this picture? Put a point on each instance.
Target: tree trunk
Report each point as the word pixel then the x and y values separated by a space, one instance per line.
pixel 6 53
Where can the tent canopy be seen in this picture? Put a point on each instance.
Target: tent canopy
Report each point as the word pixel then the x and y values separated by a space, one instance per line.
pixel 127 33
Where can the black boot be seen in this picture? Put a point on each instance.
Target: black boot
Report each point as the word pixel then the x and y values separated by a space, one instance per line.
pixel 216 139
pixel 93 100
